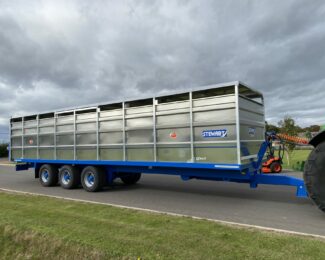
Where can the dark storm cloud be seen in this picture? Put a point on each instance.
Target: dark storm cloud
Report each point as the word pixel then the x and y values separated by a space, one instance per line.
pixel 56 54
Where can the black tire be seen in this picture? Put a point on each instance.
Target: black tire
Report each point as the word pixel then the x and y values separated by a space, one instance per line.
pixel 276 167
pixel 131 178
pixel 48 175
pixel 93 178
pixel 69 177
pixel 314 176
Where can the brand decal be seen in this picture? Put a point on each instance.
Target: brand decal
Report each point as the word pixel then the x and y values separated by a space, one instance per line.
pixel 173 135
pixel 219 133
pixel 251 131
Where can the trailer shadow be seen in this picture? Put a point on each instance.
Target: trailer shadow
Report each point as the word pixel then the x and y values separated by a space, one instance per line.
pixel 210 190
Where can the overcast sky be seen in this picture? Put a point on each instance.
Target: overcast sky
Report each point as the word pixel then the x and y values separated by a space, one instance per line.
pixel 56 54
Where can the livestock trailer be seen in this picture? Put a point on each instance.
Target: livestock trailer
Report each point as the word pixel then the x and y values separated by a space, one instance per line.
pixel 215 132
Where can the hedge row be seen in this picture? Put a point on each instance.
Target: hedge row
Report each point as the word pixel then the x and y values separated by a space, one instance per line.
pixel 3 150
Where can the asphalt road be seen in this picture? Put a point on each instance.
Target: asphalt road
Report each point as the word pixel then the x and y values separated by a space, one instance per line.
pixel 267 206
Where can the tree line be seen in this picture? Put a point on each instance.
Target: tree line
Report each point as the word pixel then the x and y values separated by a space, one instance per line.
pixel 288 126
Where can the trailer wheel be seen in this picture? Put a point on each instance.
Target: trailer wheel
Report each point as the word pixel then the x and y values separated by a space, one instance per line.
pixel 92 178
pixel 276 167
pixel 69 177
pixel 131 178
pixel 314 176
pixel 48 175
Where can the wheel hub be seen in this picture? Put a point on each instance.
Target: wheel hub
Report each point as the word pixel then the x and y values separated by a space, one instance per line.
pixel 66 177
pixel 89 179
pixel 45 176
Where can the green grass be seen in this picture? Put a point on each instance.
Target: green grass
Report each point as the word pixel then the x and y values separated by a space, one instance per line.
pixel 37 227
pixel 295 156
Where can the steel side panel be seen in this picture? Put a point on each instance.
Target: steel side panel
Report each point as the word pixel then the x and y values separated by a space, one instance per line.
pixel 143 132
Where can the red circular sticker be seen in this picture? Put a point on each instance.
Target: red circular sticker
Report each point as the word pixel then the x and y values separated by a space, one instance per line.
pixel 173 135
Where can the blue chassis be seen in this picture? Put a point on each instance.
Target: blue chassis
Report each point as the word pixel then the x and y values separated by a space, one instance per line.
pixel 249 173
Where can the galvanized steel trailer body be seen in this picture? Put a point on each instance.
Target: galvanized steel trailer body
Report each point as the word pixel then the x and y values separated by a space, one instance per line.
pixel 210 133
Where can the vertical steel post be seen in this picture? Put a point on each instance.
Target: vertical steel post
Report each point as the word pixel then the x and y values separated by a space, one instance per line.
pixel 97 131
pixel 22 137
pixel 37 137
pixel 74 135
pixel 154 128
pixel 10 142
pixel 263 113
pixel 124 137
pixel 191 126
pixel 54 124
pixel 237 123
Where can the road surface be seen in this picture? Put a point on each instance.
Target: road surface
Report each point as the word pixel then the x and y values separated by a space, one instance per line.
pixel 267 206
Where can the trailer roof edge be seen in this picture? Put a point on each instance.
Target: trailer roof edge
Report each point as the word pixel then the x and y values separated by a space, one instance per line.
pixel 141 97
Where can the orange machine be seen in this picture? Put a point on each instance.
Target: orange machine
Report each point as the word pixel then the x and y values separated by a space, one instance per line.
pixel 273 163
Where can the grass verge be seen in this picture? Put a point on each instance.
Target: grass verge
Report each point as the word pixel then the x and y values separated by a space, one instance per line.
pixel 39 227
pixel 295 156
